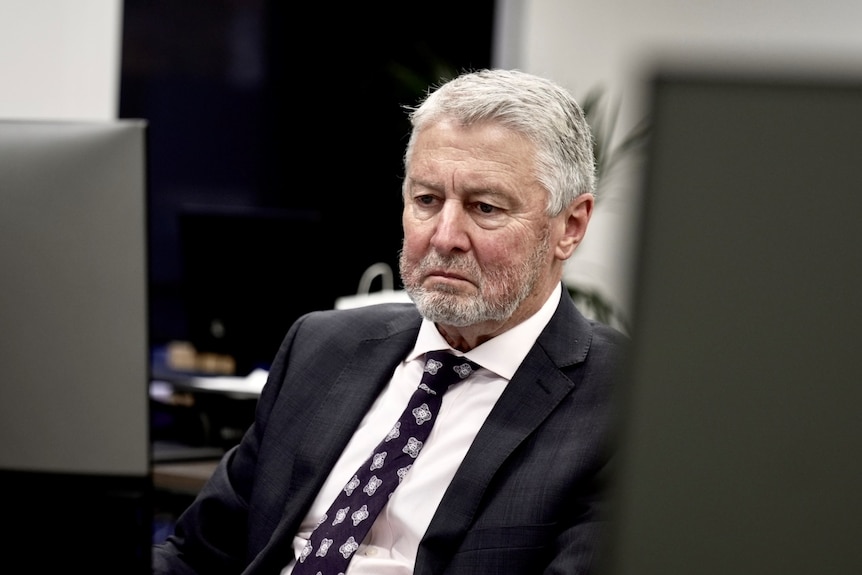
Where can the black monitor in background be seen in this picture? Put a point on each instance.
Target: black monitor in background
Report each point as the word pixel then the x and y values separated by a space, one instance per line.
pixel 741 432
pixel 74 369
pixel 249 272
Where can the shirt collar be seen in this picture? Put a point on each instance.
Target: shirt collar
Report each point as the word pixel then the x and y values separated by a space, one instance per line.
pixel 502 354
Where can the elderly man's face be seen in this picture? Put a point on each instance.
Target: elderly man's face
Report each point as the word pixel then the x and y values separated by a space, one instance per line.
pixel 478 245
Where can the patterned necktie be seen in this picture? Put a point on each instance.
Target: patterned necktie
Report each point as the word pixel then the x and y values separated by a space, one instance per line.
pixel 347 521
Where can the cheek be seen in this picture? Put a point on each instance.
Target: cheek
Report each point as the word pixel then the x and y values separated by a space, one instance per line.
pixel 503 246
pixel 416 240
pixel 496 254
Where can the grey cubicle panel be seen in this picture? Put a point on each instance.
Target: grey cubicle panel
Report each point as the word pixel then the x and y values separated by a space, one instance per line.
pixel 73 348
pixel 74 361
pixel 741 436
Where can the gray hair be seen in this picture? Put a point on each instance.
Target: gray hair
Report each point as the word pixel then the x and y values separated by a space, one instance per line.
pixel 537 108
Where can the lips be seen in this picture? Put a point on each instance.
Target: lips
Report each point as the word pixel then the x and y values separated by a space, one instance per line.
pixel 448 275
pixel 449 270
pixel 448 282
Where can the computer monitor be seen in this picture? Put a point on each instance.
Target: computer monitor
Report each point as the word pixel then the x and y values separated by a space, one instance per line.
pixel 741 430
pixel 74 360
pixel 248 274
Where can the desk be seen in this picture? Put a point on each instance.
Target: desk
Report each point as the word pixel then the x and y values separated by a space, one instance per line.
pixel 214 416
pixel 183 477
pixel 202 411
pixel 247 387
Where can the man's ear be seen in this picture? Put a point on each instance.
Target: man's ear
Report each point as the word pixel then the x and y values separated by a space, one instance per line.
pixel 577 216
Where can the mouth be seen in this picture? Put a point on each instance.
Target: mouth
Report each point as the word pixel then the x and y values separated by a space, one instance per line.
pixel 446 277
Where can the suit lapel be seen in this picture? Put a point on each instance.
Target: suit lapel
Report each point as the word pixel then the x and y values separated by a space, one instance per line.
pixel 363 377
pixel 535 390
pixel 361 381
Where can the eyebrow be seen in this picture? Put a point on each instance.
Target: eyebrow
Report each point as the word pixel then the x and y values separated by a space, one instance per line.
pixel 486 190
pixel 425 184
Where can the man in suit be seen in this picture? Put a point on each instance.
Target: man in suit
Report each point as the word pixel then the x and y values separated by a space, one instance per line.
pixel 498 191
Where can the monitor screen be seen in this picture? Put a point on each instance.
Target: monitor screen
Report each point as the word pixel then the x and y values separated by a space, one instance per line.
pixel 248 274
pixel 74 371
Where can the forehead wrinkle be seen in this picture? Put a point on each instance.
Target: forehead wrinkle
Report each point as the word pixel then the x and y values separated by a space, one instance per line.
pixel 425 183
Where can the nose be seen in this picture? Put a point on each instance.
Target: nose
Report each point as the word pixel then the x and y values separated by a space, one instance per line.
pixel 451 229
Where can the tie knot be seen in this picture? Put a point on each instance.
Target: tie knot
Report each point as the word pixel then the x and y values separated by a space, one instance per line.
pixel 442 369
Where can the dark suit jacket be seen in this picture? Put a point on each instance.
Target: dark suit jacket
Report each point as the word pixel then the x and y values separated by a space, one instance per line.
pixel 527 499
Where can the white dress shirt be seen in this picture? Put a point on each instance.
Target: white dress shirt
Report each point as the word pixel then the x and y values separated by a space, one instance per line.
pixel 391 545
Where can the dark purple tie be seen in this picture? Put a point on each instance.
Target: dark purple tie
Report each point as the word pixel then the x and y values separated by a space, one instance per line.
pixel 347 521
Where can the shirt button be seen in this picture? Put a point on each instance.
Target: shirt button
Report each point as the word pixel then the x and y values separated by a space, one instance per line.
pixel 371 552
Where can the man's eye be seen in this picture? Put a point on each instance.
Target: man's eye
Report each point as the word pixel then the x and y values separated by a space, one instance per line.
pixel 425 200
pixel 486 208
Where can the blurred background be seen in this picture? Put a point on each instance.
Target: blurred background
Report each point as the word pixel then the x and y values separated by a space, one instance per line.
pixel 276 132
pixel 276 135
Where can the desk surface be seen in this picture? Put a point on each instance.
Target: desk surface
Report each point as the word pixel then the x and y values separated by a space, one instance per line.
pixel 186 477
pixel 248 387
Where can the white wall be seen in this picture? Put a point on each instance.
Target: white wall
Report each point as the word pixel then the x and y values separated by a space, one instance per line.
pixel 614 44
pixel 59 59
